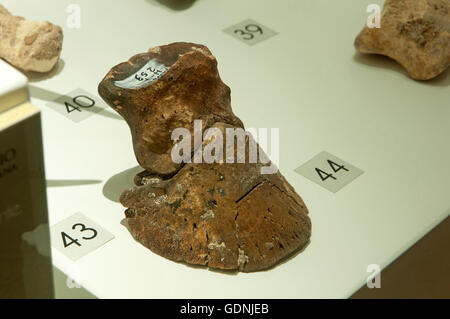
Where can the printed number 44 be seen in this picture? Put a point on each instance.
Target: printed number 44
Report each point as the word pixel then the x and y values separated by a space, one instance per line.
pixel 70 108
pixel 71 241
pixel 335 167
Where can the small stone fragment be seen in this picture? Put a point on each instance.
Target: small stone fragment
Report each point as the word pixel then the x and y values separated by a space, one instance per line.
pixel 415 33
pixel 29 45
pixel 189 89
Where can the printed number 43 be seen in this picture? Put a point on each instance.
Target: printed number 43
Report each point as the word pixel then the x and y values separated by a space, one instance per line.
pixel 335 167
pixel 71 241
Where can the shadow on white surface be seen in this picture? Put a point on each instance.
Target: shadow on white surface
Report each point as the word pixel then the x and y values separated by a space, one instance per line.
pixel 62 291
pixel 442 79
pixel 71 182
pixel 120 182
pixel 173 5
pixel 37 77
pixel 380 61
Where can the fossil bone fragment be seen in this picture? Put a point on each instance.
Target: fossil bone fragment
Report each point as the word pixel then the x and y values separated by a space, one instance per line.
pixel 415 33
pixel 219 214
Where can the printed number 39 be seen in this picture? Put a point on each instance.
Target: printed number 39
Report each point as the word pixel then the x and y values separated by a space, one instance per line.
pixel 83 228
pixel 251 29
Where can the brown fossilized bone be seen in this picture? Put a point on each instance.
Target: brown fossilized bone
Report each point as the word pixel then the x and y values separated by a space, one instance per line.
pixel 222 215
pixel 415 33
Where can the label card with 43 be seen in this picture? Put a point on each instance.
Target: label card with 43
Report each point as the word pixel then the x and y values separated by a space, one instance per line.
pixel 329 171
pixel 250 32
pixel 77 236
pixel 76 105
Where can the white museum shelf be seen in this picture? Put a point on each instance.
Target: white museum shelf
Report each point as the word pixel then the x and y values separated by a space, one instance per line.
pixel 308 81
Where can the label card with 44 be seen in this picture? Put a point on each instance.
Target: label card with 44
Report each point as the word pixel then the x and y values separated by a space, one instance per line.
pixel 329 171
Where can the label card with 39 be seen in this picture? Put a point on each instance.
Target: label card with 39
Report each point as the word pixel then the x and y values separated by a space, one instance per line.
pixel 250 32
pixel 329 171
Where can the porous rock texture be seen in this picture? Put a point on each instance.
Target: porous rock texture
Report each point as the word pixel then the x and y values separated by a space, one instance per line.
pixel 190 90
pixel 29 45
pixel 415 33
pixel 221 215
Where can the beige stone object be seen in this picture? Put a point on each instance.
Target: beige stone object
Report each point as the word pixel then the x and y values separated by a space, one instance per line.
pixel 415 33
pixel 29 45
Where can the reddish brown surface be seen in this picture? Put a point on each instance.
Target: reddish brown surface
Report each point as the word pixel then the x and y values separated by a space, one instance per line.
pixel 423 271
pixel 190 90
pixel 225 216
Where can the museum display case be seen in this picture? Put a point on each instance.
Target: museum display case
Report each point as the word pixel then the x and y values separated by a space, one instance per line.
pixel 219 148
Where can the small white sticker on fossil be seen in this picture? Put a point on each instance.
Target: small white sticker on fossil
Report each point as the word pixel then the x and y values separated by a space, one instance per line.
pixel 149 73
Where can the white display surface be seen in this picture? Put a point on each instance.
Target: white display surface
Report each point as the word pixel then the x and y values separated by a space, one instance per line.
pixel 307 81
pixel 10 79
pixel 13 86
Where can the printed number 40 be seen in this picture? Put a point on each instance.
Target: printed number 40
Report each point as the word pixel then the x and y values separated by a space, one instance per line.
pixel 335 167
pixel 70 108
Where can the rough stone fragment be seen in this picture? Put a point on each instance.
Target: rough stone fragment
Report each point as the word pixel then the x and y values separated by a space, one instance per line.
pixel 221 215
pixel 29 45
pixel 415 33
pixel 190 90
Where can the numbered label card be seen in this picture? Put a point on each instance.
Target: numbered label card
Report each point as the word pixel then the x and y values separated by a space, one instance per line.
pixel 250 32
pixel 78 236
pixel 77 105
pixel 329 171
